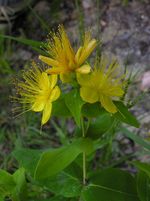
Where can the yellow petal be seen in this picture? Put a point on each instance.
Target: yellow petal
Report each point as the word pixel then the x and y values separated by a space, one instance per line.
pixel 88 94
pixel 38 105
pixel 115 91
pixel 77 56
pixel 53 81
pixel 49 61
pixel 66 43
pixel 46 113
pixel 87 51
pixel 84 69
pixel 108 104
pixel 56 70
pixel 55 93
pixel 84 79
pixel 44 81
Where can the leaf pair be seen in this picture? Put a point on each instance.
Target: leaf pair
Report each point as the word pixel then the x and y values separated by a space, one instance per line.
pixel 48 163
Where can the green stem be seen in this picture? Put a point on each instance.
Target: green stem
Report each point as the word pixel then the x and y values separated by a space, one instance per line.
pixel 84 155
pixel 84 168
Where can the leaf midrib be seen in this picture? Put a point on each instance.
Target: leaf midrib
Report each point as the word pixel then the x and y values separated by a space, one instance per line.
pixel 110 189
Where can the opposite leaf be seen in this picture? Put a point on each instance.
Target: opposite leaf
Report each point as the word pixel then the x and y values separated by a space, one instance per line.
pixel 111 184
pixel 100 125
pixel 55 160
pixel 27 158
pixel 74 104
pixel 63 184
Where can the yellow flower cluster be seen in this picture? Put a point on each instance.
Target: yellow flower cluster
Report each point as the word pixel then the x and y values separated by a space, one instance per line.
pixel 38 88
pixel 37 91
pixel 102 85
pixel 63 58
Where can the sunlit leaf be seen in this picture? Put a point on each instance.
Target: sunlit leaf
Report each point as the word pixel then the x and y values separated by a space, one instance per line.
pixel 55 160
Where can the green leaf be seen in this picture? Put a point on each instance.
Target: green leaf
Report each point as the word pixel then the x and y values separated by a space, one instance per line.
pixel 55 160
pixel 137 139
pixel 86 145
pixel 21 186
pixel 92 110
pixel 143 167
pixel 63 184
pixel 74 104
pixel 101 125
pixel 57 198
pixel 7 183
pixel 143 186
pixel 124 115
pixel 27 158
pixel 1 196
pixel 60 109
pixel 36 45
pixel 111 185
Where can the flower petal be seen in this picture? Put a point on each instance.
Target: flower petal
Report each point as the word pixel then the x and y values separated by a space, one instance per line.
pixel 53 80
pixel 49 61
pixel 108 104
pixel 84 69
pixel 88 94
pixel 86 51
pixel 115 91
pixel 46 113
pixel 44 81
pixel 55 93
pixel 78 53
pixel 56 70
pixel 38 105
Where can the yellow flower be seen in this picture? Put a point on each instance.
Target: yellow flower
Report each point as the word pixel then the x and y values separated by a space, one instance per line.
pixel 37 91
pixel 103 84
pixel 63 59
